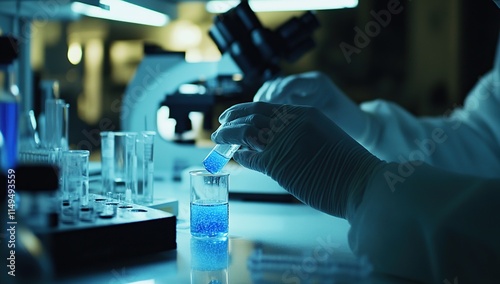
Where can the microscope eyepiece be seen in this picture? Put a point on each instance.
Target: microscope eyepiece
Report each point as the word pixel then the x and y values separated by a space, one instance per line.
pixel 257 50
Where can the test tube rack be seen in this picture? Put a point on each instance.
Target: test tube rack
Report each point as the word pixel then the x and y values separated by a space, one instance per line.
pixel 132 231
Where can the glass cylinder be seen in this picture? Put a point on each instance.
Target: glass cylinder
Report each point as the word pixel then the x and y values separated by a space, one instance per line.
pixel 75 176
pixel 56 124
pixel 75 184
pixel 117 162
pixel 143 191
pixel 209 205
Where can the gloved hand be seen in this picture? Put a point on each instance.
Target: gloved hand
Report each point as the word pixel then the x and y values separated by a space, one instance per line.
pixel 317 90
pixel 301 149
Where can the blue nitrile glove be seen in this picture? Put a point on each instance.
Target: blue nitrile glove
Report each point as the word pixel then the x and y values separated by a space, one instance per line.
pixel 301 149
pixel 317 90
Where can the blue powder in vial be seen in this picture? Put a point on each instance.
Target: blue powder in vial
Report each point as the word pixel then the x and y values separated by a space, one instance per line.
pixel 209 218
pixel 215 162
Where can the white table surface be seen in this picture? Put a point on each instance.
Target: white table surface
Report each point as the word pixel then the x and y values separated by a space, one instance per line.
pixel 290 230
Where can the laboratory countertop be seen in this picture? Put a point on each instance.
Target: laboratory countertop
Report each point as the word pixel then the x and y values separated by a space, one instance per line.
pixel 268 242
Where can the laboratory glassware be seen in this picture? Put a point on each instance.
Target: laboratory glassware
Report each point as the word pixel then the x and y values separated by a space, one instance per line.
pixel 209 207
pixel 28 136
pixel 143 192
pixel 75 183
pixel 56 124
pixel 50 90
pixel 219 156
pixel 118 160
pixel 75 174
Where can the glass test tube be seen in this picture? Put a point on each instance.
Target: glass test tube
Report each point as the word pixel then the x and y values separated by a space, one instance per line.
pixel 75 173
pixel 56 124
pixel 75 184
pixel 219 157
pixel 143 190
pixel 50 91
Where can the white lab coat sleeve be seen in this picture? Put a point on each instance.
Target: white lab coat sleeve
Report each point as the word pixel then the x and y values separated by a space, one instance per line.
pixel 466 140
pixel 426 224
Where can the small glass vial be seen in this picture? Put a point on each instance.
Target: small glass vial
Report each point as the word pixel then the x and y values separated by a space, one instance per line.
pixel 219 157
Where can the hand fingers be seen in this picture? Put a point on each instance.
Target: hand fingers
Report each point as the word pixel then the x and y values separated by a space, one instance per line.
pixel 239 129
pixel 256 130
pixel 245 109
pixel 241 134
pixel 257 120
pixel 250 159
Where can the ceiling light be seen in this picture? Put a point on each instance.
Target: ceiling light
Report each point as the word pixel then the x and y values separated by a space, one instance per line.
pixel 123 11
pixel 221 6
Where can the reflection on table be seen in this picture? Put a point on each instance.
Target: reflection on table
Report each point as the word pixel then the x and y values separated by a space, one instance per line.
pixel 209 260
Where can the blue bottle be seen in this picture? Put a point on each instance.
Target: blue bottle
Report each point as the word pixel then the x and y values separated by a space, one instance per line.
pixel 9 105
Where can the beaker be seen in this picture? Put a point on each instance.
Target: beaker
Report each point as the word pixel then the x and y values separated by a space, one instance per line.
pixel 117 162
pixel 209 205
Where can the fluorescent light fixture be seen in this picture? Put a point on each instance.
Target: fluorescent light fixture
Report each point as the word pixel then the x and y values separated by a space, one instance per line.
pixel 221 6
pixel 123 11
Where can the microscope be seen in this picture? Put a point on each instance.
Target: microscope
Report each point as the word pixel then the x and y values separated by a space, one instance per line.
pixel 256 50
pixel 182 100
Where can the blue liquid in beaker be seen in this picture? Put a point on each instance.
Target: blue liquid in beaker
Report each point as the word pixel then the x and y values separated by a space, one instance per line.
pixel 209 218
